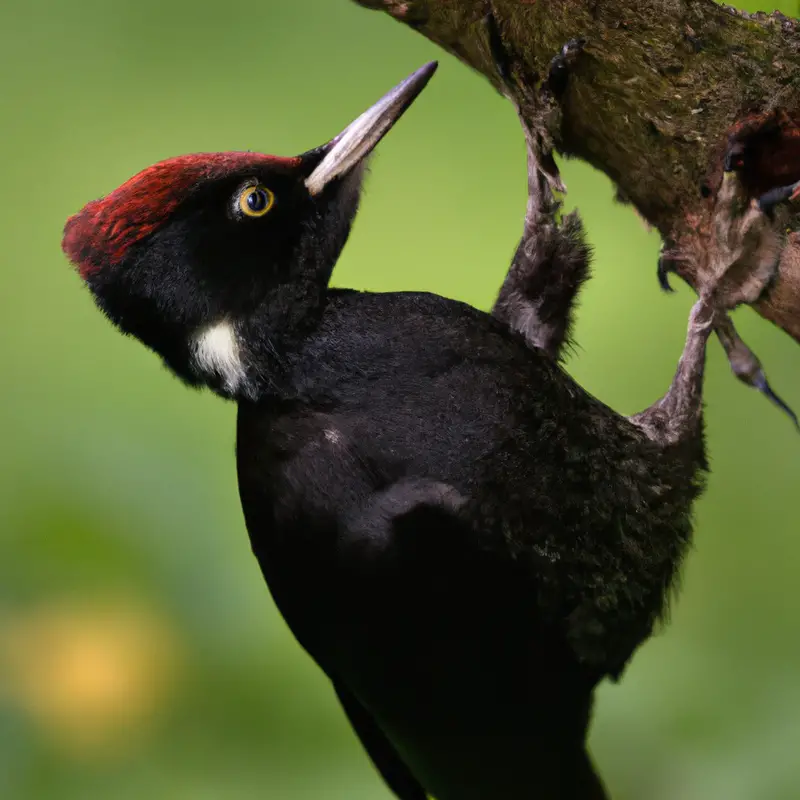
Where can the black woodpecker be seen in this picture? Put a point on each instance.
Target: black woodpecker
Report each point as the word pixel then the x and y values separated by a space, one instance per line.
pixel 463 539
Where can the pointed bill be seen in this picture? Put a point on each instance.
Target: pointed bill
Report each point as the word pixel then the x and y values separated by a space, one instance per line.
pixel 358 140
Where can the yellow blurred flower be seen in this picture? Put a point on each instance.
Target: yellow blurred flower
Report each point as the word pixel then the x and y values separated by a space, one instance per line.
pixel 91 676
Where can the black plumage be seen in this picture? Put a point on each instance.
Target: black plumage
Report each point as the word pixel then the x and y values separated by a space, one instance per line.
pixel 462 538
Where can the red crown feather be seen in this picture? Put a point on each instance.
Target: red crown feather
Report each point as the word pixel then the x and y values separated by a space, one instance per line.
pixel 103 230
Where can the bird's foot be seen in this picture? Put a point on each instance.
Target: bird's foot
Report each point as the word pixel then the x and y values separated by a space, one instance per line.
pixel 552 260
pixel 748 242
pixel 539 108
pixel 776 197
pixel 676 416
pixel 561 67
pixel 746 366
pixel 745 247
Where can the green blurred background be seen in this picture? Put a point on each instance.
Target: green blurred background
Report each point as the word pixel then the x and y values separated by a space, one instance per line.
pixel 140 653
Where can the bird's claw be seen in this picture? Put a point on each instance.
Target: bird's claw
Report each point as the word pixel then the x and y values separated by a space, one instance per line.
pixel 746 366
pixel 760 382
pixel 552 87
pixel 560 67
pixel 775 197
pixel 662 273
pixel 666 266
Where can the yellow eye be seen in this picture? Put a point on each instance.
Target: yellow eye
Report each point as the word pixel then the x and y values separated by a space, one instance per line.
pixel 255 201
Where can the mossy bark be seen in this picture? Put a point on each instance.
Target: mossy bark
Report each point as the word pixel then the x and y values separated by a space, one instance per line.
pixel 649 101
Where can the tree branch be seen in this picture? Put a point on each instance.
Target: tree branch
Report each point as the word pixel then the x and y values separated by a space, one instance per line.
pixel 650 102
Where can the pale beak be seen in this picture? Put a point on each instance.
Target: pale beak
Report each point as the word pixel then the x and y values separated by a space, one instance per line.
pixel 359 139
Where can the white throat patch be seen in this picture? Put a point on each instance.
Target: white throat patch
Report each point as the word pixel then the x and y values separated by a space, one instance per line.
pixel 216 353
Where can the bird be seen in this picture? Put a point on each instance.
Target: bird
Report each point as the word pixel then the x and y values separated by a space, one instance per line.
pixel 463 539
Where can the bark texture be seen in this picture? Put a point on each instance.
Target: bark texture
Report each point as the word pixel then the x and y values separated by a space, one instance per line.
pixel 650 102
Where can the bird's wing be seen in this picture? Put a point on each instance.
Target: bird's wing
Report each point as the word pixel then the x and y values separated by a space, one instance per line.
pixel 395 773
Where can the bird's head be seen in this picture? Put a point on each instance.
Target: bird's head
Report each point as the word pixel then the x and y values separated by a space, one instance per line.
pixel 207 258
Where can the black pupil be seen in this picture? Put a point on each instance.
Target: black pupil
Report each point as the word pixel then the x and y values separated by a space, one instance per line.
pixel 257 200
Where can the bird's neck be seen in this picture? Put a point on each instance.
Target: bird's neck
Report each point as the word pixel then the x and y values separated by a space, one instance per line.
pixel 249 356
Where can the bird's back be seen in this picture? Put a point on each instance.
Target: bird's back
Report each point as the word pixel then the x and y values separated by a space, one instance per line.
pixel 412 385
pixel 491 624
